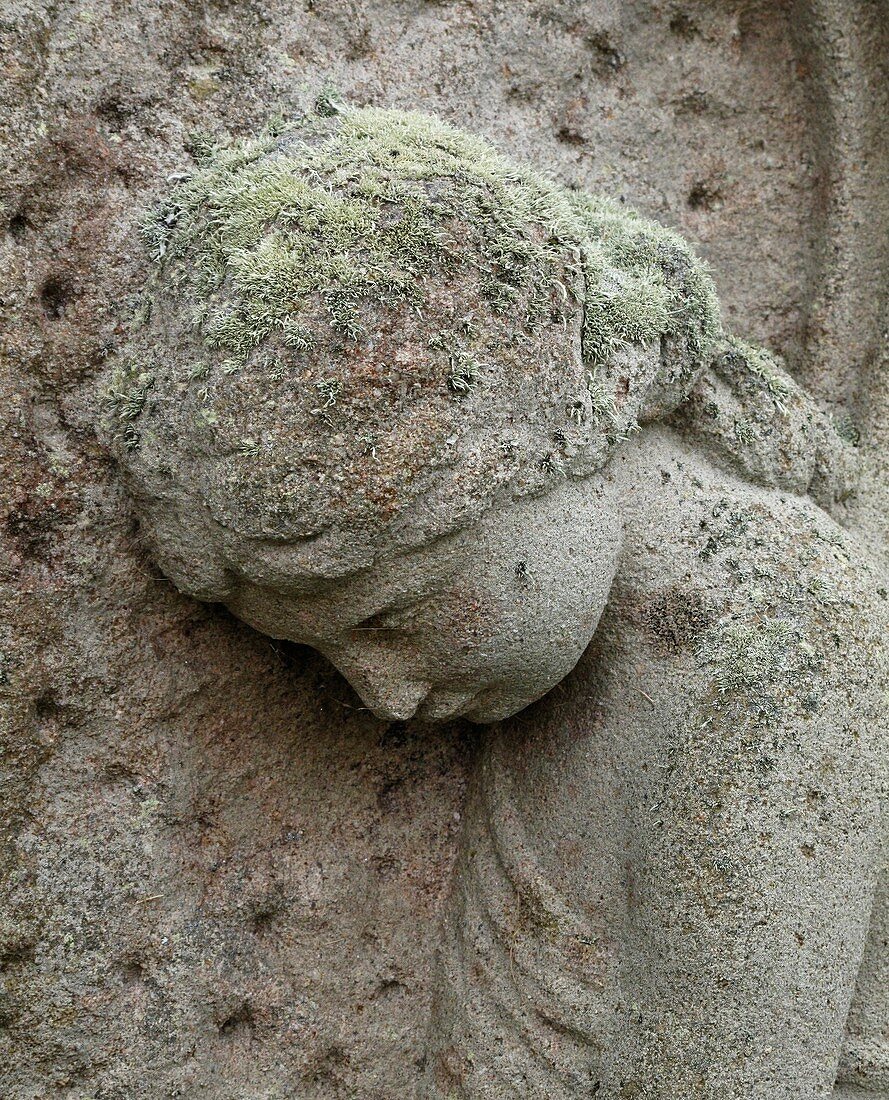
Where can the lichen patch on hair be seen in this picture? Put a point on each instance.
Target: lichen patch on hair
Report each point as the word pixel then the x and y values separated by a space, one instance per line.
pixel 377 275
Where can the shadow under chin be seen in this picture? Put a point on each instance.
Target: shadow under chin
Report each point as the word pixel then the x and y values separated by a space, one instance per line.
pixel 499 708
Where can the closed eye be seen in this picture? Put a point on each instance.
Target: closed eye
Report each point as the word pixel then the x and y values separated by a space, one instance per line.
pixel 392 619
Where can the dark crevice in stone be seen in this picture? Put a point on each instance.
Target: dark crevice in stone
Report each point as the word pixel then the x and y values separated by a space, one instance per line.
pixel 55 295
pixel 238 1022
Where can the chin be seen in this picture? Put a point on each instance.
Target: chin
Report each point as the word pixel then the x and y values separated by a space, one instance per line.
pixel 496 706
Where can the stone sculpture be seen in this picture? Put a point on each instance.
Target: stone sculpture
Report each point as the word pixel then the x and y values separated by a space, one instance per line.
pixel 459 428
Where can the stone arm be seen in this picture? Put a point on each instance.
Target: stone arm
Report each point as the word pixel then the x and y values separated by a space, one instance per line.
pixel 669 867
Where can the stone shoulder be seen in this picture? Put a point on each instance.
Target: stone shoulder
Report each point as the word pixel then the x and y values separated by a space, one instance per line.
pixel 759 591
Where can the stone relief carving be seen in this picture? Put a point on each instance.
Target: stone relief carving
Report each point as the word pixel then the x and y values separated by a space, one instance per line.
pixel 459 429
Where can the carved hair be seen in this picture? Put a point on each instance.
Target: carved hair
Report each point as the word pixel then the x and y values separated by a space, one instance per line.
pixel 364 330
pixel 751 416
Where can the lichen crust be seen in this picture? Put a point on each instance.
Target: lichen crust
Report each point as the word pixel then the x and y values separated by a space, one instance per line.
pixel 366 327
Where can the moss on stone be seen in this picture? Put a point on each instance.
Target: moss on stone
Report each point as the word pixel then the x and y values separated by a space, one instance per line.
pixel 364 205
pixel 471 312
pixel 748 410
pixel 649 285
pixel 345 209
pixel 759 369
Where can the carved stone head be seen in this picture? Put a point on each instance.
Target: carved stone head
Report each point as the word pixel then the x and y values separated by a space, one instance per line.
pixel 375 373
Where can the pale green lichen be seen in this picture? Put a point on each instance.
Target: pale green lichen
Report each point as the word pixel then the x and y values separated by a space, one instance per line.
pixel 602 403
pixel 847 429
pixel 746 655
pixel 760 663
pixel 745 433
pixel 763 370
pixel 463 377
pixel 359 207
pixel 126 400
pixel 131 403
pixel 464 370
pixel 328 391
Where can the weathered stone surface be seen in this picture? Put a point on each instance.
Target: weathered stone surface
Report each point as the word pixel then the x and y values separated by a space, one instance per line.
pixel 369 335
pixel 223 877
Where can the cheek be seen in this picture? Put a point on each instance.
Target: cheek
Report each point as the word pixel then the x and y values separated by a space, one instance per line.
pixel 470 639
pixel 487 639
pixel 469 622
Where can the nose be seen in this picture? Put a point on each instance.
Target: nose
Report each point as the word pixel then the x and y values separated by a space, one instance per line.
pixel 389 690
pixel 394 703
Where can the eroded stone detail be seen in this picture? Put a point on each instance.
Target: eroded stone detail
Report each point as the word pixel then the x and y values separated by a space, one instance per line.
pixel 373 321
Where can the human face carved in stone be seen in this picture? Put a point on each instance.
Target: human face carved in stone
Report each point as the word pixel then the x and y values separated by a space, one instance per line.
pixel 477 624
pixel 291 418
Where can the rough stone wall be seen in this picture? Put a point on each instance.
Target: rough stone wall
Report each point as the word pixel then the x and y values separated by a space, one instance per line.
pixel 221 877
